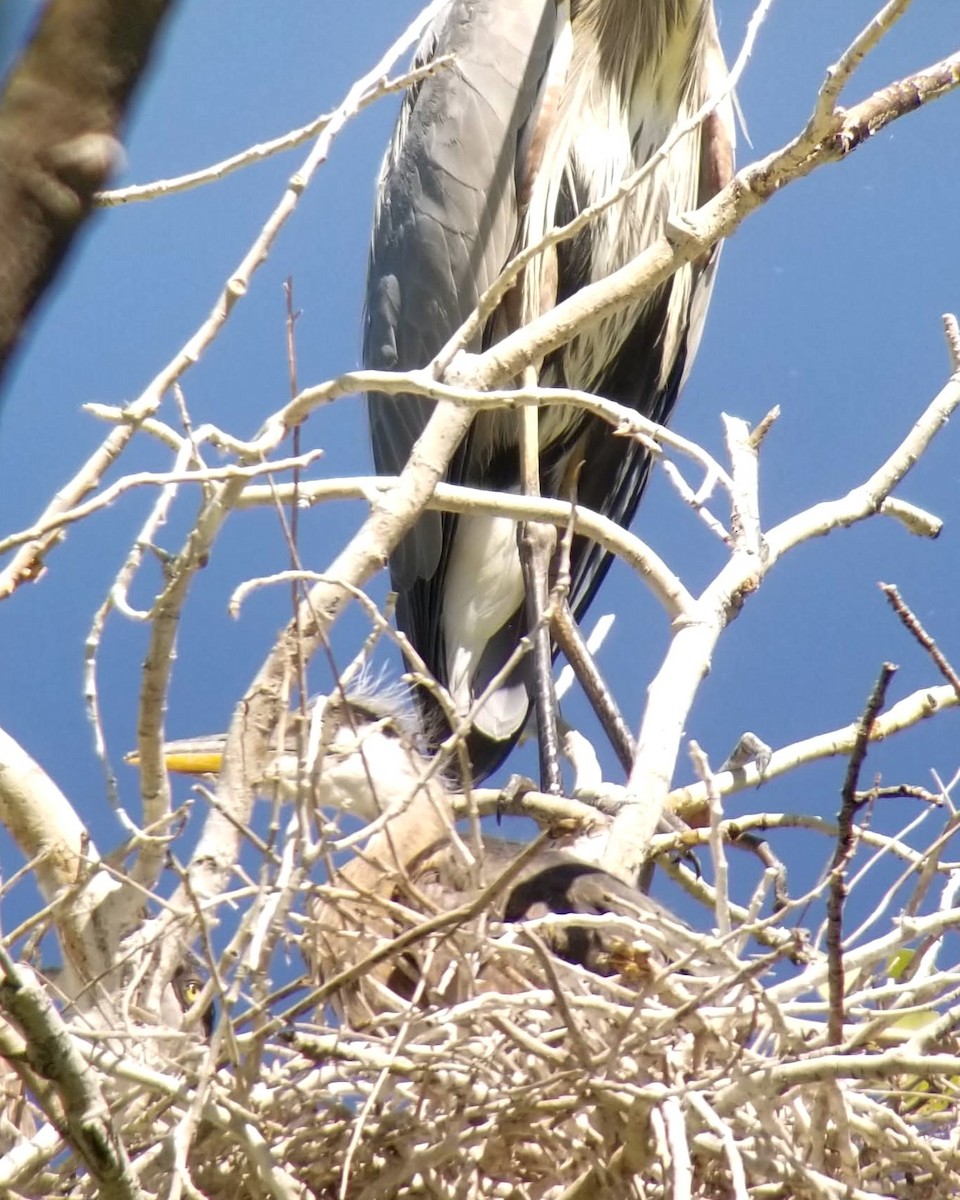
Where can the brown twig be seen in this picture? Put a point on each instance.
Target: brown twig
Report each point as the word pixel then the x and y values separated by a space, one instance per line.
pixel 912 623
pixel 900 791
pixel 846 844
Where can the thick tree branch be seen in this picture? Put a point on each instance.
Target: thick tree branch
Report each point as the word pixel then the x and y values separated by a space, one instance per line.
pixel 672 691
pixel 49 833
pixel 60 121
pixel 85 1117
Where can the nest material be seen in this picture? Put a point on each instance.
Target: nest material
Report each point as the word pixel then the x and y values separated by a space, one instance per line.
pixel 556 1084
pixel 661 1086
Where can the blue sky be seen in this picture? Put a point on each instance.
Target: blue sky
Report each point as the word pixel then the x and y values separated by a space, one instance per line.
pixel 828 303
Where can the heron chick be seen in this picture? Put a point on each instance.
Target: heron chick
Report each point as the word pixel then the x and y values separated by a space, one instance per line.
pixel 361 761
pixel 546 108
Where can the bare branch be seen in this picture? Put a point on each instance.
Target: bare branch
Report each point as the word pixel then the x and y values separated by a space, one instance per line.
pixel 51 1053
pixel 912 623
pixel 162 188
pixel 50 834
pixel 60 124
pixel 672 691
pixel 846 844
pixel 690 802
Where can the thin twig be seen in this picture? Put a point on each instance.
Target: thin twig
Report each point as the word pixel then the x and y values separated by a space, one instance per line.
pixel 846 844
pixel 161 188
pixel 912 623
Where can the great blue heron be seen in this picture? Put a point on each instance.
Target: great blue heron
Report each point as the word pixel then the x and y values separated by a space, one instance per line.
pixel 360 757
pixel 548 105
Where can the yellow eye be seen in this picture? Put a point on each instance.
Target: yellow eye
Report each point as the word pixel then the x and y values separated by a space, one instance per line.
pixel 190 991
pixel 187 988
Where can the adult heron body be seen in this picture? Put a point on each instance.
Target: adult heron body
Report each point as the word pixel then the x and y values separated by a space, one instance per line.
pixel 547 106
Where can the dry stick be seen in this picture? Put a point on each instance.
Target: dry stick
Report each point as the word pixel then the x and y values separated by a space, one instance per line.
pixel 953 341
pixel 674 687
pixel 721 870
pixel 293 531
pixel 161 479
pixel 256 959
pixel 690 802
pixel 840 73
pixel 911 621
pixel 254 940
pixel 625 420
pixel 547 964
pixel 161 188
pixel 696 500
pixel 768 1080
pixel 449 497
pixel 52 1053
pixel 150 858
pixel 871 496
pixel 732 831
pixel 846 844
pixel 672 691
pixel 49 831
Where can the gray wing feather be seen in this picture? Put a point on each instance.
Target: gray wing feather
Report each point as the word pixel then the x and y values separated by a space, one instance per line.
pixel 447 216
pixel 718 136
pixel 619 469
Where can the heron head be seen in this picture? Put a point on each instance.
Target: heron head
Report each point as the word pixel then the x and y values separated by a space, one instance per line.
pixel 355 752
pixel 362 754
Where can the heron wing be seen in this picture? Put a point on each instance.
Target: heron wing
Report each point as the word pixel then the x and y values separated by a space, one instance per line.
pixel 554 881
pixel 445 224
pixel 447 220
pixel 651 368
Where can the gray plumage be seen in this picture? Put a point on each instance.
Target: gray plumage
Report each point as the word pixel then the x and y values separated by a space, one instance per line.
pixel 547 107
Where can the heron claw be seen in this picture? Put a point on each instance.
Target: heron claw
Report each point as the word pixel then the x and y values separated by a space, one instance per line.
pixel 515 787
pixel 749 749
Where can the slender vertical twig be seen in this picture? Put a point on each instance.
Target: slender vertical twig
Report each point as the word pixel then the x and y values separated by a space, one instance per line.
pixel 846 844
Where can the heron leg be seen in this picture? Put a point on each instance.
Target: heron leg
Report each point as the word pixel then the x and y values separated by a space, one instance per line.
pixel 573 644
pixel 536 544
